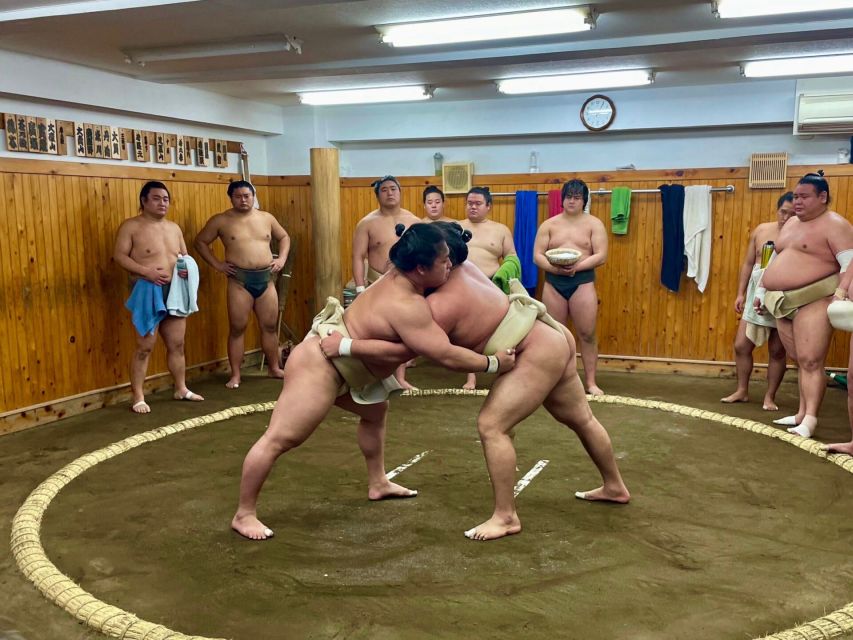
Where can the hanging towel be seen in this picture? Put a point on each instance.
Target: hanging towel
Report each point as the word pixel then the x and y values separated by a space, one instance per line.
pixel 146 306
pixel 697 233
pixel 183 294
pixel 526 219
pixel 555 203
pixel 620 210
pixel 672 261
pixel 509 270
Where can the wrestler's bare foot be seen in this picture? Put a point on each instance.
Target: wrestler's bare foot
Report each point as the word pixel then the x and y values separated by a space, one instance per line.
pixel 495 527
pixel 603 494
pixel 737 396
pixel 839 447
pixel 594 390
pixel 471 382
pixel 769 404
pixel 275 372
pixel 233 383
pixel 389 490
pixel 250 527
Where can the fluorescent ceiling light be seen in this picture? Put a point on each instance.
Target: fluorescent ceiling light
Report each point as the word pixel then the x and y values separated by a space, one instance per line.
pixel 488 27
pixel 366 96
pixel 805 66
pixel 87 6
pixel 258 44
pixel 577 81
pixel 745 8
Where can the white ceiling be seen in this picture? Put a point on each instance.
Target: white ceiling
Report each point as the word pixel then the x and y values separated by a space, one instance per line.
pixel 679 39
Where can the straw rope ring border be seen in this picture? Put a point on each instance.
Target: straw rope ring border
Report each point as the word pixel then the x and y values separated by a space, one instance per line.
pixel 117 623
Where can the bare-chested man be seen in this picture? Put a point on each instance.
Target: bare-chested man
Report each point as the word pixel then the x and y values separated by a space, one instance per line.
pixel 753 330
pixel 246 233
pixel 491 242
pixel 147 247
pixel 570 290
pixel 374 237
pixel 812 248
pixel 433 204
pixel 471 310
pixel 393 309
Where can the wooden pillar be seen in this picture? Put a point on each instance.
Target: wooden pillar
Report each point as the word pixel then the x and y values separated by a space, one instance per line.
pixel 326 224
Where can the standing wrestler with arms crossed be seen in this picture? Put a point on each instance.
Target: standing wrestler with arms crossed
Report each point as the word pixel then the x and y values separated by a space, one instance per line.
pixel 246 233
pixel 570 290
pixel 813 248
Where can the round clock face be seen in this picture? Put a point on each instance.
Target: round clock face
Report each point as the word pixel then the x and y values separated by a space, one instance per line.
pixel 598 113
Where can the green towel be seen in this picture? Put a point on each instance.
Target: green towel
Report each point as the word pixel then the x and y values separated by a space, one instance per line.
pixel 620 210
pixel 511 268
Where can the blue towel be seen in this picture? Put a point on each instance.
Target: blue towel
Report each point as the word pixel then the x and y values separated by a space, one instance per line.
pixel 672 261
pixel 526 222
pixel 146 306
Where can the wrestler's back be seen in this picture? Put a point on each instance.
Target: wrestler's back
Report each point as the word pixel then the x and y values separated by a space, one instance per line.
pixel 469 307
pixel 804 254
pixel 247 237
pixel 155 244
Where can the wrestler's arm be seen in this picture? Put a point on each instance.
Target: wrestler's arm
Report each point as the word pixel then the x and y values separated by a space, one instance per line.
pixel 745 273
pixel 202 244
pixel 359 253
pixel 540 246
pixel 418 331
pixel 281 236
pixel 380 352
pixel 121 256
pixel 508 244
pixel 841 239
pixel 598 244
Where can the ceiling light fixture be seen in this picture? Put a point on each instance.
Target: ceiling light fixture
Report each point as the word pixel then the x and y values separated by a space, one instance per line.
pixel 524 24
pixel 804 66
pixel 85 6
pixel 258 44
pixel 577 81
pixel 366 96
pixel 746 8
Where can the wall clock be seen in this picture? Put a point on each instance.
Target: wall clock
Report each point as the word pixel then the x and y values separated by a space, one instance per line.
pixel 598 112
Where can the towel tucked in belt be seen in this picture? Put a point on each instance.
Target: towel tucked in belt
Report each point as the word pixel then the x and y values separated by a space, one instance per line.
pixel 146 306
pixel 509 270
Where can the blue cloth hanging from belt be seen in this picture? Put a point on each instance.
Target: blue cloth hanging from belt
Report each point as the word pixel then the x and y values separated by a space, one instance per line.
pixel 526 222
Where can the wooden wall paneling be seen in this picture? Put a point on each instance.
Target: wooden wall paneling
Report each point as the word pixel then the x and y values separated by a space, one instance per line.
pixel 9 328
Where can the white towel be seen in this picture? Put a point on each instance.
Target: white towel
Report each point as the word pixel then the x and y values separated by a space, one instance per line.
pixel 183 294
pixel 697 233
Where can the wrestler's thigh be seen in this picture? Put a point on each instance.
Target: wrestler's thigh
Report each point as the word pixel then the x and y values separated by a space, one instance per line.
pixel 812 331
pixel 785 329
pixel 173 329
pixel 583 308
pixel 239 305
pixel 370 412
pixel 567 401
pixel 310 386
pixel 556 304
pixel 266 306
pixel 518 393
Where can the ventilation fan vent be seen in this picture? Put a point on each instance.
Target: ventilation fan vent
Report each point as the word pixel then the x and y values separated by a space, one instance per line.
pixel 768 170
pixel 457 177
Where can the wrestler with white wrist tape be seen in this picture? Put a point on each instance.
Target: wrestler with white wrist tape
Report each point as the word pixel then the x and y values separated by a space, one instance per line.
pixel 813 249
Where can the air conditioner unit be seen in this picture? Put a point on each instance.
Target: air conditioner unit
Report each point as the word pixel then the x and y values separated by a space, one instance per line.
pixel 824 113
